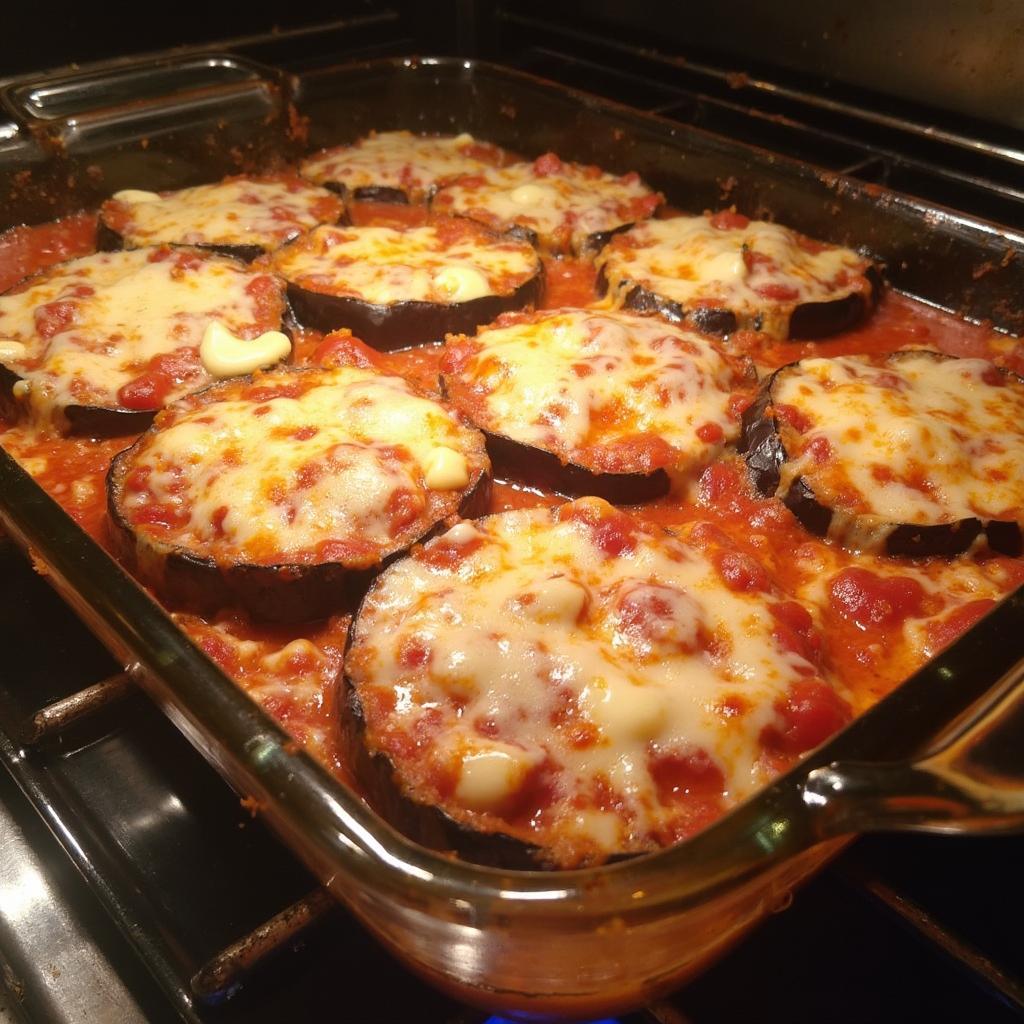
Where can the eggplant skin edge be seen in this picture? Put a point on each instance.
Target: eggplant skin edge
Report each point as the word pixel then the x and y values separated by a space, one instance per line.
pixel 271 593
pixel 537 467
pixel 368 193
pixel 79 420
pixel 109 240
pixel 808 320
pixel 765 454
pixel 413 322
pixel 425 823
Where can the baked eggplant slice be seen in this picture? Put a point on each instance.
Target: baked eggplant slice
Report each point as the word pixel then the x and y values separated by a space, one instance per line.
pixel 722 272
pixel 396 287
pixel 565 208
pixel 583 401
pixel 284 492
pixel 98 344
pixel 914 453
pixel 243 217
pixel 568 679
pixel 399 167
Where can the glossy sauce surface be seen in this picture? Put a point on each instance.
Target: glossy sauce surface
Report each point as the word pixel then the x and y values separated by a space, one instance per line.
pixel 882 617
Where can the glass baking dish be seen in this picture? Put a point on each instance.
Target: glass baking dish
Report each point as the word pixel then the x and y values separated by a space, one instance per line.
pixel 938 754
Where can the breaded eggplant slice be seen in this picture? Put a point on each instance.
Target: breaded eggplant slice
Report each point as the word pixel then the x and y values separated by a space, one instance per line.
pixel 399 167
pixel 98 344
pixel 284 492
pixel 396 287
pixel 721 273
pixel 914 453
pixel 582 401
pixel 561 207
pixel 242 216
pixel 578 685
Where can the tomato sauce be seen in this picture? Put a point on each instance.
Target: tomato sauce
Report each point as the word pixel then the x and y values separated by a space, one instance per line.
pixel 881 617
pixel 26 250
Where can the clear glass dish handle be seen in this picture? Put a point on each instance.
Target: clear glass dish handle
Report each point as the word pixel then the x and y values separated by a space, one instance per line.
pixel 969 781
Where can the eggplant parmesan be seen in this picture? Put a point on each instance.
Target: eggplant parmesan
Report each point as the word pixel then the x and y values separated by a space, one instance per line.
pixel 592 402
pixel 913 453
pixel 560 207
pixel 398 287
pixel 399 167
pixel 242 217
pixel 583 683
pixel 97 344
pixel 281 492
pixel 722 273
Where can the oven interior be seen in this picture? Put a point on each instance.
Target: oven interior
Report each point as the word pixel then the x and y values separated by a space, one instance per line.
pixel 164 899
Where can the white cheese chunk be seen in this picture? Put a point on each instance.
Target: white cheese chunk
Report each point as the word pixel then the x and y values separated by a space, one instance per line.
pixel 445 470
pixel 11 349
pixel 461 533
pixel 460 284
pixel 136 195
pixel 556 599
pixel 488 777
pixel 530 194
pixel 629 711
pixel 224 354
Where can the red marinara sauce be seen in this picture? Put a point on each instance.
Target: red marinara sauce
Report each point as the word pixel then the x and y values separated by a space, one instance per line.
pixel 881 617
pixel 27 250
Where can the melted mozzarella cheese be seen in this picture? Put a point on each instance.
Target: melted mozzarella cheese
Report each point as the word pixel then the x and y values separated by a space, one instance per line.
pixel 537 650
pixel 564 208
pixel 569 379
pixel 400 160
pixel 386 266
pixel 917 439
pixel 239 211
pixel 271 480
pixel 94 324
pixel 759 272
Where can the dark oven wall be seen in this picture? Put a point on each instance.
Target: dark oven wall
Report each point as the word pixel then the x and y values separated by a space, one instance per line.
pixel 951 55
pixel 292 34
